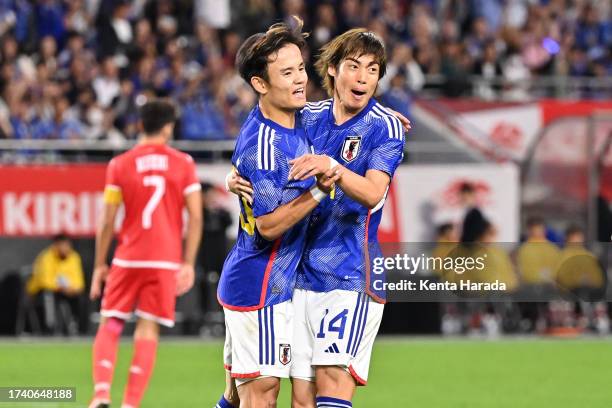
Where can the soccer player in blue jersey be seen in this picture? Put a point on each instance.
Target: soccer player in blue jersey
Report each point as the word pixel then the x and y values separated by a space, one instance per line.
pixel 337 312
pixel 259 274
pixel 342 311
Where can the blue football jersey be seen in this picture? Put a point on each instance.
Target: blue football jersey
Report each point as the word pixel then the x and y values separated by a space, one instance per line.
pixel 257 272
pixel 342 234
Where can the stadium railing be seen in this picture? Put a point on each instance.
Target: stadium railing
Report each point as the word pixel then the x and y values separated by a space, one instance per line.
pixel 54 151
pixel 548 86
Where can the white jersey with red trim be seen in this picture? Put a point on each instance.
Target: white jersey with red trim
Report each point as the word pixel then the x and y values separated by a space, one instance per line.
pixel 153 180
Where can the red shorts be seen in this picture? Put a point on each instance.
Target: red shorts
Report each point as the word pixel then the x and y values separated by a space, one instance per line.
pixel 148 293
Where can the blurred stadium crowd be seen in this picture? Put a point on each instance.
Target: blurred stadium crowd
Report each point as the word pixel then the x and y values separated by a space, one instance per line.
pixel 78 69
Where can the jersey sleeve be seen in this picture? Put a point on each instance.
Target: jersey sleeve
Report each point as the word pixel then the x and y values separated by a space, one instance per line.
pixel 268 172
pixel 389 151
pixel 112 185
pixel 191 182
pixel 268 189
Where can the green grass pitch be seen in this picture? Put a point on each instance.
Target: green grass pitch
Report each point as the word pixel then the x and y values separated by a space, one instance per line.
pixel 419 373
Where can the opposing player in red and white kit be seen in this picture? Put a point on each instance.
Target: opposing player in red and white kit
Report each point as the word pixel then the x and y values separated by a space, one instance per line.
pixel 155 183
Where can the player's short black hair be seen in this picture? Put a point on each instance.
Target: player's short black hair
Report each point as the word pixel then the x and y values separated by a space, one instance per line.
pixel 156 114
pixel 254 54
pixel 444 228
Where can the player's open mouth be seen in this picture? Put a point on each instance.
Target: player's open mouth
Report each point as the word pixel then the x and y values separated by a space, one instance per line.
pixel 299 92
pixel 357 93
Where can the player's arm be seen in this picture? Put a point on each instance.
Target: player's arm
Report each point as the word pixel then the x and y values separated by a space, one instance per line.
pixel 104 237
pixel 186 276
pixel 272 225
pixel 113 198
pixel 367 191
pixel 370 190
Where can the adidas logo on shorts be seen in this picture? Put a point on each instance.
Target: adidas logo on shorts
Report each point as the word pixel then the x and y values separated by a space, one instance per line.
pixel 333 349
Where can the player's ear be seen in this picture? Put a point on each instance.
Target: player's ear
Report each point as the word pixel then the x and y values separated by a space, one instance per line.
pixel 168 130
pixel 259 84
pixel 331 70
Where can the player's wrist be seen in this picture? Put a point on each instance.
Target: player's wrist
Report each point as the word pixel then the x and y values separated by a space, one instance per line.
pixel 317 193
pixel 332 162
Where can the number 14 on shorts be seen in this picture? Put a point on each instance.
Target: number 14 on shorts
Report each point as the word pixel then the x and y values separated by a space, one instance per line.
pixel 336 324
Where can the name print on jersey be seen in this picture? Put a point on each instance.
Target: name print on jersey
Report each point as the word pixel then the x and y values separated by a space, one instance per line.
pixel 152 162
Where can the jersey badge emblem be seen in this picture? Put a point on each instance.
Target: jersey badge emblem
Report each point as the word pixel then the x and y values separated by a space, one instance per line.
pixel 284 351
pixel 350 148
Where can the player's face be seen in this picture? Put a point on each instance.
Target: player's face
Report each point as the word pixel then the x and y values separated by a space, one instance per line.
pixel 287 79
pixel 355 81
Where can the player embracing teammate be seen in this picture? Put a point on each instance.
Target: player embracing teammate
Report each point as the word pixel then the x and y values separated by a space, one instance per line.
pixel 357 145
pixel 260 271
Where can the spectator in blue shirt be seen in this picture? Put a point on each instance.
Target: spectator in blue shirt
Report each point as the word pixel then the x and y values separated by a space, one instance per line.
pixel 50 19
pixel 201 119
pixel 19 121
pixel 63 126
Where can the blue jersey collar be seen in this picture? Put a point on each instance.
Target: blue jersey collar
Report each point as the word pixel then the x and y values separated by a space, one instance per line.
pixel 352 120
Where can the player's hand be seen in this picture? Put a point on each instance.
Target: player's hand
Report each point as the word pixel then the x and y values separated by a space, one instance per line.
pixel 240 186
pixel 404 120
pixel 184 279
pixel 309 165
pixel 325 182
pixel 99 276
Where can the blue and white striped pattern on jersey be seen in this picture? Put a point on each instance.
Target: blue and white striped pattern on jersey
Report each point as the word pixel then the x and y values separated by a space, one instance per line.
pixel 267 341
pixel 330 402
pixel 265 148
pixel 358 323
pixel 393 124
pixel 318 106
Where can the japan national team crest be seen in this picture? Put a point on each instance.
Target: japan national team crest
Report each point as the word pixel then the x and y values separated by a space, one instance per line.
pixel 284 351
pixel 350 148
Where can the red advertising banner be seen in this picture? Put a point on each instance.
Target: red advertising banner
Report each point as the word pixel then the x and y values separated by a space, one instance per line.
pixel 46 200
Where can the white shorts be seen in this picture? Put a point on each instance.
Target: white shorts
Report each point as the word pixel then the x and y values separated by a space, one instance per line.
pixel 334 328
pixel 258 343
